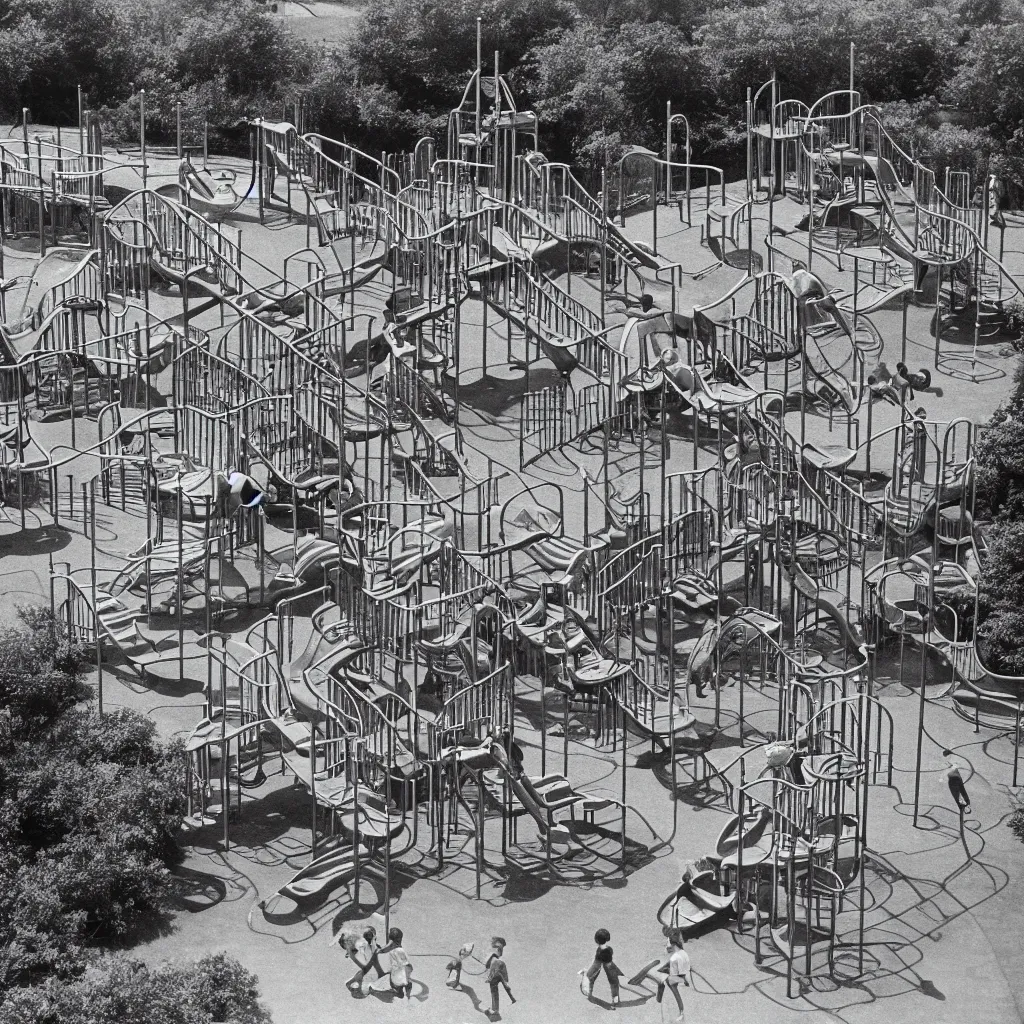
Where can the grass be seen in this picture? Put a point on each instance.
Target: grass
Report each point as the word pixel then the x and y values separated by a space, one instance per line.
pixel 320 21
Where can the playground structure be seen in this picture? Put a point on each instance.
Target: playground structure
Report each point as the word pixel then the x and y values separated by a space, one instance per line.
pixel 381 598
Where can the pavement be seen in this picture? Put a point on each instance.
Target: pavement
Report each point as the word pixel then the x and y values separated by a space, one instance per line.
pixel 945 936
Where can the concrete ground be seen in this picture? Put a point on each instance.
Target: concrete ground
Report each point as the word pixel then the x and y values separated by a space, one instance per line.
pixel 943 930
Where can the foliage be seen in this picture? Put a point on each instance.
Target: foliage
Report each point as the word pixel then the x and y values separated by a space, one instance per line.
pixel 118 990
pixel 950 72
pixel 222 59
pixel 89 810
pixel 999 465
pixel 1016 823
pixel 37 672
pixel 412 58
pixel 601 89
pixel 1000 496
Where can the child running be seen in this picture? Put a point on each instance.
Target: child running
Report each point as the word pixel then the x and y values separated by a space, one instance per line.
pixel 454 968
pixel 497 974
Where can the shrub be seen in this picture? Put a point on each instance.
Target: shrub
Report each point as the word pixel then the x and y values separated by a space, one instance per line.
pixel 119 990
pixel 90 807
pixel 37 672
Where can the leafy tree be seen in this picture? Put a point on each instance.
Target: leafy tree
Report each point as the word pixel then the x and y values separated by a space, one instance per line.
pixel 89 810
pixel 806 43
pixel 989 85
pixel 602 89
pixel 37 673
pixel 418 54
pixel 905 49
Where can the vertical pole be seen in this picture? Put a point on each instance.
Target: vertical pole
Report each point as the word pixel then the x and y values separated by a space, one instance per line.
pixel 142 136
pixel 479 73
pixel 96 616
pixel 81 130
pixel 497 133
pixel 920 711
pixel 771 174
pixel 668 131
pixel 604 238
pixel 260 153
pixel 686 125
pixel 178 114
pixel 654 201
pixel 750 184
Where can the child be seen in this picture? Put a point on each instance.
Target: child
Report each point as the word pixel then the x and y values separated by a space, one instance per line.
pixel 363 953
pixel 455 965
pixel 604 957
pixel 401 969
pixel 673 971
pixel 497 974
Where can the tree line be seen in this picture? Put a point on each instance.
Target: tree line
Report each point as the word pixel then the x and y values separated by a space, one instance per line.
pixel 950 75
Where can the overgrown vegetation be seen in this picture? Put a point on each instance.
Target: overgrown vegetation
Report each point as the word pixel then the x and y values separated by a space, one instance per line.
pixel 1000 498
pixel 118 990
pixel 90 807
pixel 950 73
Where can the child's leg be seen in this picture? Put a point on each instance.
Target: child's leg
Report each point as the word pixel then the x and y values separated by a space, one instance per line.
pixel 675 984
pixel 613 981
pixel 494 996
pixel 661 978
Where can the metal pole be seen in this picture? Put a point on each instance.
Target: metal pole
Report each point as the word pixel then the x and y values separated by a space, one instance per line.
pixel 96 616
pixel 142 136
pixel 925 630
pixel 479 73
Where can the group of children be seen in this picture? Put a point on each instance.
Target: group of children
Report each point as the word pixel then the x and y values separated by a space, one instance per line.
pixel 669 971
pixel 365 953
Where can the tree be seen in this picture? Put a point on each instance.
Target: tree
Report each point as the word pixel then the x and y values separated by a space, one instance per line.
pixel 90 807
pixel 989 86
pixel 600 89
pixel 417 55
pixel 37 673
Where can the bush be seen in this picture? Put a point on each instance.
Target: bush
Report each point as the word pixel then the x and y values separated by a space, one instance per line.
pixel 37 672
pixel 90 808
pixel 118 990
pixel 1016 823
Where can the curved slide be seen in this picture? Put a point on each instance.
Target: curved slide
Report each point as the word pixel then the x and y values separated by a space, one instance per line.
pixel 324 874
pixel 541 797
pixel 827 601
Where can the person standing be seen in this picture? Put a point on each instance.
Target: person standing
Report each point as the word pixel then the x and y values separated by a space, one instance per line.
pixel 674 971
pixel 604 958
pixel 401 969
pixel 496 973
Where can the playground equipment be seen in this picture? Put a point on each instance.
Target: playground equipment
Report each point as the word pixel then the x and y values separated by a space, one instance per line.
pixel 385 596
